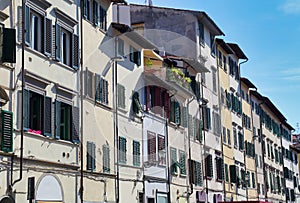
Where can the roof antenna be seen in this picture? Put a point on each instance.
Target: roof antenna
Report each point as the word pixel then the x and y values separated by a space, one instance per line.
pixel 150 3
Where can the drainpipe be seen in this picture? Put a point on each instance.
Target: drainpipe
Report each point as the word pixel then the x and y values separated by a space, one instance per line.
pixel 22 98
pixel 168 168
pixel 220 113
pixel 253 141
pixel 190 153
pixel 81 112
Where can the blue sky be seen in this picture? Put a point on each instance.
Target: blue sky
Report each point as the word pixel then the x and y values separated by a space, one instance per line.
pixel 268 32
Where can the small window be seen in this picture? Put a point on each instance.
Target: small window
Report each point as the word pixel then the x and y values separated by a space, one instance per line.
pixel 212 45
pixel 103 18
pixel 228 137
pixel 135 56
pixel 101 90
pixel 201 33
pixel 225 63
pixel 224 135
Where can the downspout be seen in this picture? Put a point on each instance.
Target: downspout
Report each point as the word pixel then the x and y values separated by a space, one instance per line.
pixel 190 185
pixel 22 98
pixel 220 113
pixel 262 149
pixel 253 140
pixel 81 112
pixel 168 168
pixel 240 90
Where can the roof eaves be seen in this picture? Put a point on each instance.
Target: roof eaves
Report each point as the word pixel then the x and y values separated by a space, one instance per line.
pixel 238 51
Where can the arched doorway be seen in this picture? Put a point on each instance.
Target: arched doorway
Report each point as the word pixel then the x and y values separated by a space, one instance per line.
pixel 49 190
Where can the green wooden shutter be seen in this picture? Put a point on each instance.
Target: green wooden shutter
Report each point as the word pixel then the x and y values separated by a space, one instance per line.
pixel 91 164
pixel 57 119
pixel 220 168
pixel 47 129
pixel 105 88
pixel 48 37
pixel 27 26
pixel 173 154
pixel 57 42
pixel 184 117
pixel 95 13
pixel 209 166
pixel 177 112
pixel 26 109
pixel 75 51
pixel 106 159
pixel 208 118
pixel 233 173
pixel 182 162
pixel 6 131
pixel 198 174
pixel 9 45
pixel 122 150
pixel 75 124
pixel 97 87
pixel 253 180
pixel 121 96
pixel 136 153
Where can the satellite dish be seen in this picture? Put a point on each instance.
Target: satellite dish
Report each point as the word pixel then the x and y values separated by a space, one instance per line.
pixel 7 199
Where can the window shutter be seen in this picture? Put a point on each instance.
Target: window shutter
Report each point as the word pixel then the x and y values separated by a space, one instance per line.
pixel 184 116
pixel 177 112
pixel 48 37
pixel 190 127
pixel 122 150
pixel 198 173
pixel 84 8
pixel 208 118
pixel 75 50
pixel 106 159
pixel 220 168
pixel 233 173
pixel 105 91
pixel 91 165
pixel 97 88
pixel 95 13
pixel 167 105
pixel 57 41
pixel 182 162
pixel 47 116
pixel 253 180
pixel 27 26
pixel 121 96
pixel 6 131
pixel 137 107
pixel 226 173
pixel 136 153
pixel 9 45
pixel 173 154
pixel 200 131
pixel 209 166
pixel 151 147
pixel 75 124
pixel 26 109
pixel 57 119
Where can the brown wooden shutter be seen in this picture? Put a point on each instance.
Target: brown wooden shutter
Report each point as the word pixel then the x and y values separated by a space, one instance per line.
pixel 48 37
pixel 47 116
pixel 151 146
pixel 75 50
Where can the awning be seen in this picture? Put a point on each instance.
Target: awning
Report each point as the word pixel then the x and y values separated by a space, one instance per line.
pixel 3 96
pixel 152 55
pixel 199 67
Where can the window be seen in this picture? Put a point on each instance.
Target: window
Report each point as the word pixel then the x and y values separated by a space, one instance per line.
pixel 136 153
pixel 241 141
pixel 258 188
pixel 214 79
pixel 220 59
pixel 217 123
pixel 135 56
pixel 136 105
pixel 38 29
pixel 209 166
pixel 212 45
pixel 101 89
pixel 173 154
pixel 106 158
pixel 6 131
pixel 91 156
pixel 235 138
pixel 122 150
pixel 206 118
pixel 225 63
pixel 195 172
pixel 233 173
pixel 175 112
pixel 228 137
pixel 121 96
pixel 37 113
pixel 182 162
pixel 8 42
pixel 201 33
pixel 224 135
pixel 220 168
pixel 253 180
pixel 103 18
